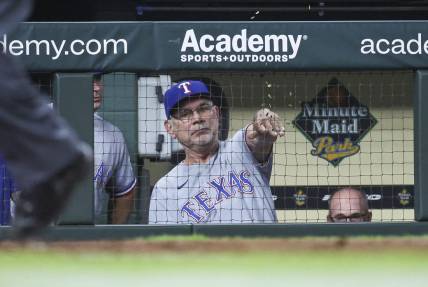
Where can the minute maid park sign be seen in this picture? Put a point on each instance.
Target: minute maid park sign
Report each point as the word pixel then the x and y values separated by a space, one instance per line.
pixel 334 122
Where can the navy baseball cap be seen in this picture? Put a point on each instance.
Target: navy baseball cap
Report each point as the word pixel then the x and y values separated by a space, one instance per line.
pixel 182 90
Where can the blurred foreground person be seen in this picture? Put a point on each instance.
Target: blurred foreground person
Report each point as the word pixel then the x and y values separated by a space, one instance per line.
pixel 44 156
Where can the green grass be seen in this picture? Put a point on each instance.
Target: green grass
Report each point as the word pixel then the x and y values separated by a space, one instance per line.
pixel 199 237
pixel 45 268
pixel 195 237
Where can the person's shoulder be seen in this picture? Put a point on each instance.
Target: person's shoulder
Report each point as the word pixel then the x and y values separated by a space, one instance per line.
pixel 107 126
pixel 170 179
pixel 160 188
pixel 237 138
pixel 107 129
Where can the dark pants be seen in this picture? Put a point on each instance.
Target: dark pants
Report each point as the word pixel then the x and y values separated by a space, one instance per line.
pixel 34 141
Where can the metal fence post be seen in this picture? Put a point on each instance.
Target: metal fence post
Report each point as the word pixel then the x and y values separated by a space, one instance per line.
pixel 73 99
pixel 421 145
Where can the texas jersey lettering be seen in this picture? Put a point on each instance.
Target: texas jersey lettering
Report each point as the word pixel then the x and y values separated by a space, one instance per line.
pixel 222 188
pixel 231 188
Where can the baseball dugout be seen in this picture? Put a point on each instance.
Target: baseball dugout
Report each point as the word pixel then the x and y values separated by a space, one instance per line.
pixel 350 96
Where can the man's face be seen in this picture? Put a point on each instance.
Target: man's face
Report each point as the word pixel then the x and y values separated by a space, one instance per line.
pixel 348 205
pixel 195 124
pixel 97 91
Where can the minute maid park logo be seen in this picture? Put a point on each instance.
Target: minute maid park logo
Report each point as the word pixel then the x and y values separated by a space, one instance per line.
pixel 334 122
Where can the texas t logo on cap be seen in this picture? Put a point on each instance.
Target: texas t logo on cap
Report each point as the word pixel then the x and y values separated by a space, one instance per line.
pixel 182 90
pixel 185 87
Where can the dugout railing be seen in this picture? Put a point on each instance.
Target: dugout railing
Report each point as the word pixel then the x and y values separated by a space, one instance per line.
pixel 159 48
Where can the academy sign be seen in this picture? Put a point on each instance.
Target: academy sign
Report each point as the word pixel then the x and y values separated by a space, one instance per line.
pixel 334 122
pixel 383 46
pixel 242 47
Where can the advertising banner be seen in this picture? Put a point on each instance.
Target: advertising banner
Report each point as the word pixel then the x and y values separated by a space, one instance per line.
pixel 316 197
pixel 156 46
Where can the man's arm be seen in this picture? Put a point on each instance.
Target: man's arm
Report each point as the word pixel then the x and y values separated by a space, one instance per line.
pixel 262 133
pixel 122 207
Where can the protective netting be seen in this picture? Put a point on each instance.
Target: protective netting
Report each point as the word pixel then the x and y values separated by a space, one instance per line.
pixel 343 130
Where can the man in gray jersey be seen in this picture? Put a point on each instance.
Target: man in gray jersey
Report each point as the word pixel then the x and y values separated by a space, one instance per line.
pixel 45 157
pixel 218 182
pixel 114 178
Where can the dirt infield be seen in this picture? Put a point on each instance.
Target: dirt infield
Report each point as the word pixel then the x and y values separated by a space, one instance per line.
pixel 213 245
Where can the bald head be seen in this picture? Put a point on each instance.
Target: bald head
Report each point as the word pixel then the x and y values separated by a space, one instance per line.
pixel 348 204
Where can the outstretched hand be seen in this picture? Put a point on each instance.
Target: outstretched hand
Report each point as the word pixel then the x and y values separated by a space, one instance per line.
pixel 263 132
pixel 266 125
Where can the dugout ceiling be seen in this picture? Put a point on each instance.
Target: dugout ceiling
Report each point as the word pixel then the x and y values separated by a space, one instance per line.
pixel 221 10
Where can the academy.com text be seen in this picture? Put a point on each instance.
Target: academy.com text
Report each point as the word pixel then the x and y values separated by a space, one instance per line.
pixel 56 49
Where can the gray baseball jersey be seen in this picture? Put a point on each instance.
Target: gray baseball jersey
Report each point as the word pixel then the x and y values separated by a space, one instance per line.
pixel 231 188
pixel 113 167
